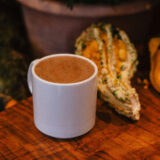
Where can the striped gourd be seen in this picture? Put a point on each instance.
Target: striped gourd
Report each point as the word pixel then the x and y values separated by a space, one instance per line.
pixel 116 59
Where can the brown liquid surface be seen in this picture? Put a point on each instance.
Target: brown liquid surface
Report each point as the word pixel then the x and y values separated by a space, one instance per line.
pixel 64 69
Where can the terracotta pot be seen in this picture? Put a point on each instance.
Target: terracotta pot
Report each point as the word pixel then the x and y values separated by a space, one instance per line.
pixel 52 27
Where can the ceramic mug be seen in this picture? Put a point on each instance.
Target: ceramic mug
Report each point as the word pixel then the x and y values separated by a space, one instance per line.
pixel 63 110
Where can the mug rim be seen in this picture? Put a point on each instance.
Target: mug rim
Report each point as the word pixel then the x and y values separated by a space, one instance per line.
pixel 65 84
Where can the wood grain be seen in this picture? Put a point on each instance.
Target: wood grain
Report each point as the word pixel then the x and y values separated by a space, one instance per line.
pixel 114 137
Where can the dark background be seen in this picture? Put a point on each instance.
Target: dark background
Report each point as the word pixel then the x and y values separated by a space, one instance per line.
pixel 16 53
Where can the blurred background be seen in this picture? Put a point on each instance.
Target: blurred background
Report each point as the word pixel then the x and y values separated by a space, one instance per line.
pixel 34 28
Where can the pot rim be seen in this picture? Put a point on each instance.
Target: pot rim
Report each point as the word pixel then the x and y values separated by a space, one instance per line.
pixel 79 10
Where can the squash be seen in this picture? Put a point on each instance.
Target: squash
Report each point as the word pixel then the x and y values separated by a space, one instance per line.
pixel 154 48
pixel 116 59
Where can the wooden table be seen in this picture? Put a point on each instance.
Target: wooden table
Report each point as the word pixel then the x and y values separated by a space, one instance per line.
pixel 113 137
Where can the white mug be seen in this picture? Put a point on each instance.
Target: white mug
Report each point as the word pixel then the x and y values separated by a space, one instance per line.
pixel 63 110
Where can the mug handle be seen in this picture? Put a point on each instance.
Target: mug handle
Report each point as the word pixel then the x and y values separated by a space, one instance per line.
pixel 29 74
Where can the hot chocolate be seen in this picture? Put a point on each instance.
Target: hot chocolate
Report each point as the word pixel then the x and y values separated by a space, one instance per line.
pixel 64 69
